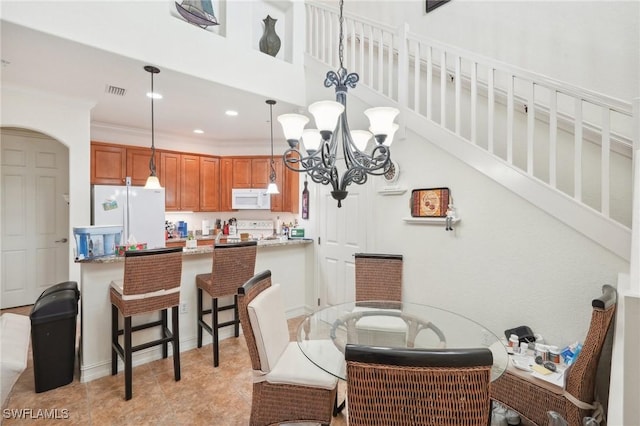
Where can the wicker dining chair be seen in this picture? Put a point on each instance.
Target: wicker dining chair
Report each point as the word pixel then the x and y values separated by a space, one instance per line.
pixel 232 266
pixel 378 276
pixel 151 283
pixel 407 386
pixel 533 398
pixel 287 387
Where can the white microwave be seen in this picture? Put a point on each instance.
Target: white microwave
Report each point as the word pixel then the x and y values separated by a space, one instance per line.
pixel 250 199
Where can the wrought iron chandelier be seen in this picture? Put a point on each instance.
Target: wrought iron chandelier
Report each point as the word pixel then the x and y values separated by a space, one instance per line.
pixel 321 144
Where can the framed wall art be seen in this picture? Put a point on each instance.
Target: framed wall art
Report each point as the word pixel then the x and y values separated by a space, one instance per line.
pixel 430 202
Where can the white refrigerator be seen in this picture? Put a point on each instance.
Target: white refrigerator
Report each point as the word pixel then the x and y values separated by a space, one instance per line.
pixel 140 212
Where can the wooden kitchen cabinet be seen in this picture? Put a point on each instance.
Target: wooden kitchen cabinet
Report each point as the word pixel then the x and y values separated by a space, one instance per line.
pixel 209 184
pixel 138 165
pixel 242 173
pixel 189 182
pixel 180 179
pixel 250 172
pixel 108 164
pixel 170 179
pixel 111 164
pixel 277 200
pixel 291 190
pixel 226 183
pixel 260 170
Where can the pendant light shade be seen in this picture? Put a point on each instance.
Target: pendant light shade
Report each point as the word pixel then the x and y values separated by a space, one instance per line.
pixel 292 125
pixel 152 180
pixel 272 188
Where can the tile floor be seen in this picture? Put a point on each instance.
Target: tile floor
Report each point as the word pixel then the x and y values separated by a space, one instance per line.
pixel 204 395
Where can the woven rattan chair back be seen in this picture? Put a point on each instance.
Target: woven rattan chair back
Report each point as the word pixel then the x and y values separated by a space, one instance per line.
pixel 147 272
pixel 232 266
pixel 378 276
pixel 246 293
pixel 533 401
pixel 393 386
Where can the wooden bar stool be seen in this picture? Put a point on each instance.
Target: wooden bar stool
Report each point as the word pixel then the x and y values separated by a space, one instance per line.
pixel 232 266
pixel 151 283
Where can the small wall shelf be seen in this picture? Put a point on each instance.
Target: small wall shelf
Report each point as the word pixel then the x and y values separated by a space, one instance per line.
pixel 428 220
pixel 392 190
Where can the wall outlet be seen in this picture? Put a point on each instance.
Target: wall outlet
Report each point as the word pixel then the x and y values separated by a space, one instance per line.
pixel 183 307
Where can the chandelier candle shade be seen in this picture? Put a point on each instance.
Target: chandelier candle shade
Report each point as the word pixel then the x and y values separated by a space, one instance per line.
pixel 272 188
pixel 321 144
pixel 152 180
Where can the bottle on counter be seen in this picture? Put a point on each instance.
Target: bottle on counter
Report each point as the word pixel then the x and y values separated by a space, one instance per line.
pixel 305 201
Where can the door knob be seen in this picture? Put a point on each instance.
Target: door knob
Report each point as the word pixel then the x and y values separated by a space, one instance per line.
pixel 64 240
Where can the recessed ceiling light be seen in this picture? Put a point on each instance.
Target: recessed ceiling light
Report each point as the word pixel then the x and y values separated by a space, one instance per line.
pixel 198 131
pixel 154 95
pixel 231 113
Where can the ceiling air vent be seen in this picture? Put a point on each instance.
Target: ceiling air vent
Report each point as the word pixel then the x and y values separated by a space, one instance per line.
pixel 113 90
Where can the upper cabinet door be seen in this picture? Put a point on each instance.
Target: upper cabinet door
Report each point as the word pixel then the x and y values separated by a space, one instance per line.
pixel 209 184
pixel 260 172
pixel 277 200
pixel 108 164
pixel 242 172
pixel 226 183
pixel 138 165
pixel 190 182
pixel 170 179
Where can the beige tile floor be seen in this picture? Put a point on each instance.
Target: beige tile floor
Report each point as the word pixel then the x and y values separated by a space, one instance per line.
pixel 204 395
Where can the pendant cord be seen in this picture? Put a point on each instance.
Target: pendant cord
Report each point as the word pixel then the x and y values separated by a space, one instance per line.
pixel 152 161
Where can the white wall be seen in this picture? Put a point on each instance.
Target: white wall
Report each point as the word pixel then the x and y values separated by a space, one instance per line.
pixel 591 44
pixel 506 264
pixel 149 31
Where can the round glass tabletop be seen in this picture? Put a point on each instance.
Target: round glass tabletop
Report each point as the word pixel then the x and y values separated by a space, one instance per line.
pixel 323 335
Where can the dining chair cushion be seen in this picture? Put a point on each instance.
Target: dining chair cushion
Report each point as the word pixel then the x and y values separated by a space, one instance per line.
pixel 266 314
pixel 118 286
pixel 294 368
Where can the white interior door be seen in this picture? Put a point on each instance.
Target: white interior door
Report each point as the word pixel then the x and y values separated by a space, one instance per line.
pixel 342 233
pixel 35 215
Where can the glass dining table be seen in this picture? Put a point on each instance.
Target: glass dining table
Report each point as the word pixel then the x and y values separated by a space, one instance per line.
pixel 323 335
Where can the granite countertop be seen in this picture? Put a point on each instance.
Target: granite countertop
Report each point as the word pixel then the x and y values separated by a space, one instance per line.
pixel 205 249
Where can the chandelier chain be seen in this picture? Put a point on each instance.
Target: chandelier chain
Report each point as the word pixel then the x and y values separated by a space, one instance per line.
pixel 341 36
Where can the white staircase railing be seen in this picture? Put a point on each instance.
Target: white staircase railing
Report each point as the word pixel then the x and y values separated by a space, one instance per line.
pixel 574 141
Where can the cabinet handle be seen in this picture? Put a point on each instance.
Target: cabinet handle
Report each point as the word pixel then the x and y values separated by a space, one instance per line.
pixel 64 240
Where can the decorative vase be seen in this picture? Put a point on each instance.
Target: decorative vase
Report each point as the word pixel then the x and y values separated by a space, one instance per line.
pixel 270 42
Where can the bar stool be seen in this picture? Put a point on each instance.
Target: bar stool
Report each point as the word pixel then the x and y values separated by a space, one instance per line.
pixel 232 266
pixel 151 283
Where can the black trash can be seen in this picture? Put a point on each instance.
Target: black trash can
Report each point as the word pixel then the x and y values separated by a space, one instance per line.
pixel 53 338
pixel 66 285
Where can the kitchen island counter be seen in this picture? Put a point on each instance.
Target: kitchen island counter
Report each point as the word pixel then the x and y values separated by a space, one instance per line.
pixel 291 263
pixel 205 249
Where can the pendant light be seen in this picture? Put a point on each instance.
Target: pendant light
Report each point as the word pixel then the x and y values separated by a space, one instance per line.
pixel 152 180
pixel 272 188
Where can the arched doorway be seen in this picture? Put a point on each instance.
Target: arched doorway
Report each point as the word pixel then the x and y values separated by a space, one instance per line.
pixel 34 179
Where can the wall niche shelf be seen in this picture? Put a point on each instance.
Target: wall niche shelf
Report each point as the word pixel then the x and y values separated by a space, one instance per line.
pixel 392 190
pixel 428 220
